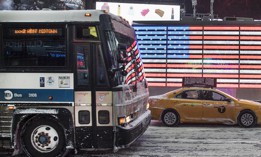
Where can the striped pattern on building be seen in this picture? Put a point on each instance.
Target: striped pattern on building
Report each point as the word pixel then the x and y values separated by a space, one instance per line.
pixel 232 54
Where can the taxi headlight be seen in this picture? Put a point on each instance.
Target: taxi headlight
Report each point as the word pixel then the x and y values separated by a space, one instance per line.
pixel 148 106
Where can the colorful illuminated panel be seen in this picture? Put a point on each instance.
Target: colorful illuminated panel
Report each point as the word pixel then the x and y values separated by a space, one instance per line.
pixel 232 54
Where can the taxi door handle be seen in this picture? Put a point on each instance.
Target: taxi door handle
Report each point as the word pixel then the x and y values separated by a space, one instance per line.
pixel 208 105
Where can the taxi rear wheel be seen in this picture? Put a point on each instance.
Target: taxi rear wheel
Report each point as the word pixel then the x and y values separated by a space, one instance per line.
pixel 247 119
pixel 170 118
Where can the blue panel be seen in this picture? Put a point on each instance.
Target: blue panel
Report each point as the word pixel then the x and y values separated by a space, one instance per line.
pixel 64 95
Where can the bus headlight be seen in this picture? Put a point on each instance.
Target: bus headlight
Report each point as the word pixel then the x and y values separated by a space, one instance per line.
pixel 124 120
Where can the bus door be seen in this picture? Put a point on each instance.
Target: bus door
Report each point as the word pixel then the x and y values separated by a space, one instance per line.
pixel 93 98
pixel 84 95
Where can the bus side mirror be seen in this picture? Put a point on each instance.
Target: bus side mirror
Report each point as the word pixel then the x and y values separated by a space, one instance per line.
pixel 121 69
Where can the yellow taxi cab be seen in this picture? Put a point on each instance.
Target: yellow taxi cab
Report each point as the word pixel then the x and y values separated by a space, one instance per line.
pixel 204 105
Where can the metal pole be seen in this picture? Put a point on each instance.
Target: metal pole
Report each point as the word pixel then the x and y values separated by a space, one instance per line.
pixel 194 3
pixel 211 10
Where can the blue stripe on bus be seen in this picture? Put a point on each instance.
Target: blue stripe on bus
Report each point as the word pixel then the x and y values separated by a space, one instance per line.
pixel 58 95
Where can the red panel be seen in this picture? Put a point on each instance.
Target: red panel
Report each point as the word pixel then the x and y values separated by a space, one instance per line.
pixel 250 37
pixel 155 65
pixel 174 84
pixel 183 75
pixel 254 47
pixel 222 56
pixel 195 47
pixel 227 85
pixel 250 57
pixel 196 28
pixel 250 76
pixel 250 86
pixel 184 66
pixel 157 84
pixel 220 28
pixel 221 75
pixel 155 74
pixel 250 28
pixel 221 66
pixel 195 56
pixel 196 37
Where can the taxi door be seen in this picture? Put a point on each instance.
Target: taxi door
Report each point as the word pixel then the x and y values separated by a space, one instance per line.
pixel 217 108
pixel 189 106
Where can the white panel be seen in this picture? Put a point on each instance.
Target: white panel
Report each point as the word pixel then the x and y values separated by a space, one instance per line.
pixel 221 61
pixel 155 70
pixel 250 42
pixel 185 70
pixel 221 32
pixel 220 71
pixel 174 80
pixel 227 80
pixel 250 71
pixel 224 42
pixel 184 61
pixel 83 98
pixel 249 81
pixel 33 81
pixel 156 79
pixel 250 33
pixel 249 52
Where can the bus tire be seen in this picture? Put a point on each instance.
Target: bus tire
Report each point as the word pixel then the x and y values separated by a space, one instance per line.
pixel 43 138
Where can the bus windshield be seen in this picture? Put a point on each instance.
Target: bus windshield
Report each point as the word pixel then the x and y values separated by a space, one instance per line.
pixel 123 47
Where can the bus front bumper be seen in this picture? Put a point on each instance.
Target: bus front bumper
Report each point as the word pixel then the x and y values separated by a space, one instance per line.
pixel 128 134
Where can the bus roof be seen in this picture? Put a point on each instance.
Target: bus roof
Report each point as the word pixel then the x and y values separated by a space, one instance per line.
pixel 50 16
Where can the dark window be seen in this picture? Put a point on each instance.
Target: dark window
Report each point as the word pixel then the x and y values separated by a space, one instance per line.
pixel 190 94
pixel 84 117
pixel 210 95
pixel 101 73
pixel 86 33
pixel 82 52
pixel 34 46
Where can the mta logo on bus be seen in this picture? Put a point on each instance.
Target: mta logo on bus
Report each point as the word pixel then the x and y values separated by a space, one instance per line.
pixel 8 95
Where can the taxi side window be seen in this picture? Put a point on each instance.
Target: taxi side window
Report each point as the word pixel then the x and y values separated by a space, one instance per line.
pixel 218 97
pixel 209 95
pixel 191 94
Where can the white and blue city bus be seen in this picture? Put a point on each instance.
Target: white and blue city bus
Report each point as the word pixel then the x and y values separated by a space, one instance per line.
pixel 70 80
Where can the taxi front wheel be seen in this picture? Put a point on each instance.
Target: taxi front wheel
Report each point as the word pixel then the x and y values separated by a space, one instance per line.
pixel 170 118
pixel 246 119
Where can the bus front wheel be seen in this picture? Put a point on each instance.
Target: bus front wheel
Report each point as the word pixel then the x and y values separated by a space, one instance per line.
pixel 42 138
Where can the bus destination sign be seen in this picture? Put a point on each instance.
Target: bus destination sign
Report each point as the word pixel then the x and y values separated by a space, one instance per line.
pixel 36 31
